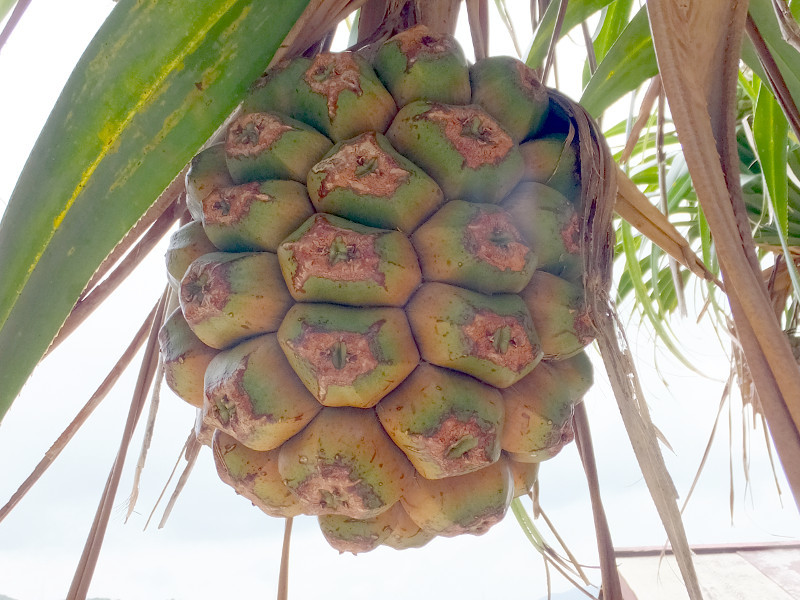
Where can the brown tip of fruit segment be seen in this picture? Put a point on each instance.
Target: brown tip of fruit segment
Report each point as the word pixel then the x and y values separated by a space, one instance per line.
pixel 225 396
pixel 362 166
pixel 337 357
pixel 254 133
pixel 530 82
pixel 228 206
pixel 330 74
pixel 492 237
pixel 205 291
pixel 421 42
pixel 500 339
pixel 335 253
pixel 332 489
pixel 477 137
pixel 457 445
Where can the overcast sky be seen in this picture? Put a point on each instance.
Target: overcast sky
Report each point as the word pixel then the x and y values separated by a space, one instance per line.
pixel 216 544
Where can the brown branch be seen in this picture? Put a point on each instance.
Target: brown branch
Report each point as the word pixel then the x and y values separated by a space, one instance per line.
pixel 788 26
pixel 13 19
pixel 478 16
pixel 645 110
pixel 605 545
pixel 191 453
pixel 94 542
pixel 99 395
pixel 283 574
pixel 551 50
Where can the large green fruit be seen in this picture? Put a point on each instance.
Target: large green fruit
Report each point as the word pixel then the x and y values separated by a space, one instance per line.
pixel 375 274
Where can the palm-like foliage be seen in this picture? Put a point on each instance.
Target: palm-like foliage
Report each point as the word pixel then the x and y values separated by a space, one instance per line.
pixel 723 168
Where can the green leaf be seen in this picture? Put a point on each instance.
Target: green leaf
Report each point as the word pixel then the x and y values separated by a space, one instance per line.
pixel 629 62
pixel 614 20
pixel 153 85
pixel 786 56
pixel 576 13
pixel 5 8
pixel 771 136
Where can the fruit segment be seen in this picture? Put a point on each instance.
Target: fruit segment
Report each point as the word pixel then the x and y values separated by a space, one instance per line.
pixel 186 244
pixel 446 423
pixel 559 314
pixel 254 475
pixel 476 246
pixel 267 145
pixel 348 356
pixel 346 534
pixel 229 297
pixel 330 259
pixel 336 93
pixel 185 358
pixel 465 150
pixel 525 476
pixel 491 338
pixel 421 64
pixel 551 225
pixel 252 394
pixel 539 407
pixel 344 463
pixel 255 216
pixel 510 91
pixel 405 533
pixel 553 161
pixel 469 503
pixel 207 172
pixel 364 179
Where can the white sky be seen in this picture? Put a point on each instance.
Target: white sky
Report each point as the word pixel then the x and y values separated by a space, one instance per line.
pixel 216 544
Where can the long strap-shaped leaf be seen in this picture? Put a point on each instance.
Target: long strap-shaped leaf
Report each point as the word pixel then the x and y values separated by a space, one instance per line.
pixel 154 84
pixel 697 49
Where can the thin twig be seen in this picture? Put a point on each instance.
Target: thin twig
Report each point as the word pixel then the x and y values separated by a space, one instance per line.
pixel 645 110
pixel 551 50
pixel 191 453
pixel 100 393
pixel 479 27
pixel 182 453
pixel 13 19
pixel 788 26
pixel 155 399
pixel 605 546
pixel 661 161
pixel 91 551
pixel 283 576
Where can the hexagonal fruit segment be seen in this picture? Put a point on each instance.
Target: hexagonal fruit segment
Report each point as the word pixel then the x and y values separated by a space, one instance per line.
pixel 228 297
pixel 419 63
pixel 336 93
pixel 347 534
pixel 185 358
pixel 186 244
pixel 348 356
pixel 476 246
pixel 266 145
pixel 208 171
pixel 255 216
pixel 539 407
pixel 446 423
pixel 491 338
pixel 469 503
pixel 526 476
pixel 344 463
pixel 465 150
pixel 551 225
pixel 254 475
pixel 330 259
pixel 253 394
pixel 511 92
pixel 366 180
pixel 559 313
pixel 405 532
